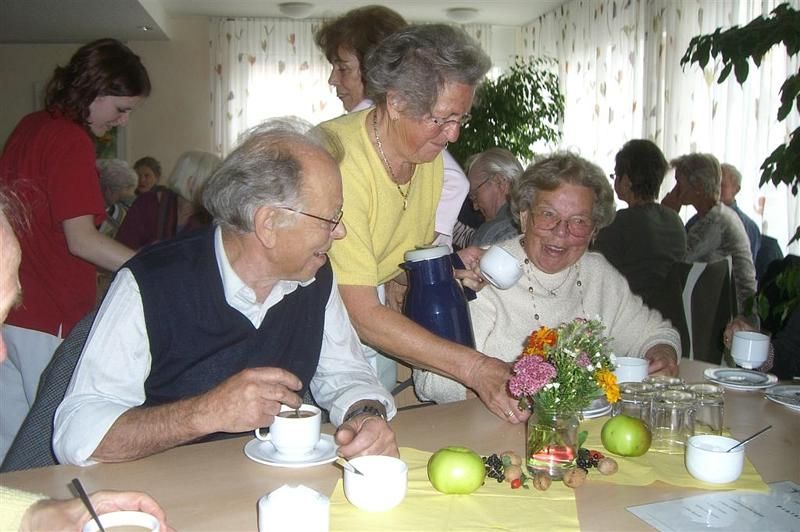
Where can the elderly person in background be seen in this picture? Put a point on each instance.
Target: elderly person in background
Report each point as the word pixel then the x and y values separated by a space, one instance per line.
pixel 560 202
pixel 730 185
pixel 149 171
pixel 20 510
pixel 164 212
pixel 422 80
pixel 718 232
pixel 347 41
pixel 118 185
pixel 491 175
pixel 213 332
pixel 646 239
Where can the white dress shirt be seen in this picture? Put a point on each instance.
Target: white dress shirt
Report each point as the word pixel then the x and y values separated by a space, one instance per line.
pixel 115 362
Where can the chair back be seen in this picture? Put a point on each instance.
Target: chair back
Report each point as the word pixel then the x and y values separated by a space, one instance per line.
pixel 708 302
pixel 33 445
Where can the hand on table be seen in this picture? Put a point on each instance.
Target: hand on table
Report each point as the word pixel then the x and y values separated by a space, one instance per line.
pixel 72 515
pixel 663 360
pixel 249 400
pixel 489 379
pixel 366 435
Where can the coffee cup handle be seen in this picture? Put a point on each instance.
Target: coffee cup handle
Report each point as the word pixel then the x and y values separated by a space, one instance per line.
pixel 262 436
pixel 458 264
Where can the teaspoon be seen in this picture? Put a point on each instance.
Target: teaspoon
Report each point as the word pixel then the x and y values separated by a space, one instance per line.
pixel 759 433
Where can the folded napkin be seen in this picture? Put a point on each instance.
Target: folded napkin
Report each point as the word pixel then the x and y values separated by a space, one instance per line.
pixel 669 468
pixel 492 507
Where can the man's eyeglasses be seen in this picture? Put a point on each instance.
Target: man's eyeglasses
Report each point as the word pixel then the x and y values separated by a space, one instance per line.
pixel 333 221
pixel 442 123
pixel 577 226
pixel 473 194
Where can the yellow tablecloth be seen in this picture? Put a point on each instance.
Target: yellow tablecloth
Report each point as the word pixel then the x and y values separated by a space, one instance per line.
pixel 669 468
pixel 492 507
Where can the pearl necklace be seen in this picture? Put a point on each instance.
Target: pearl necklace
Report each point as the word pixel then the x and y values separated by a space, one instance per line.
pixel 379 144
pixel 553 293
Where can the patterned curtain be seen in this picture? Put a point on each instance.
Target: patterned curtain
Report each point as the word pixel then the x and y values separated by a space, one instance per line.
pixel 265 68
pixel 619 63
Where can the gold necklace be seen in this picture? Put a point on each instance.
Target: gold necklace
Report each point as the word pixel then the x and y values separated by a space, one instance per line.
pixel 378 143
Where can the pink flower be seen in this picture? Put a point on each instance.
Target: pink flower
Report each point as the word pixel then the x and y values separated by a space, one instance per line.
pixel 583 360
pixel 530 376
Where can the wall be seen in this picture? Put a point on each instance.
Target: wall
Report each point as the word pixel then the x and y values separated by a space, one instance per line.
pixel 174 119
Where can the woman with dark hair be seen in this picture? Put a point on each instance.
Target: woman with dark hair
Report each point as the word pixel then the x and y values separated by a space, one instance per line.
pixel 646 239
pixel 149 171
pixel 49 162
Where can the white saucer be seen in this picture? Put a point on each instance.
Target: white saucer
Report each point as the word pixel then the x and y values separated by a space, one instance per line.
pixel 598 407
pixel 787 395
pixel 740 379
pixel 264 452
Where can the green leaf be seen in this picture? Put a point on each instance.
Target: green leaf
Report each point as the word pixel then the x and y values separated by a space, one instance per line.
pixel 582 435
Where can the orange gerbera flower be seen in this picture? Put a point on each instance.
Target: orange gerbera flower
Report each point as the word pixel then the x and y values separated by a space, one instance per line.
pixel 537 341
pixel 608 382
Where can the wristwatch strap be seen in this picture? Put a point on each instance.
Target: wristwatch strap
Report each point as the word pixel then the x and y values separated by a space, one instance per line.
pixel 365 409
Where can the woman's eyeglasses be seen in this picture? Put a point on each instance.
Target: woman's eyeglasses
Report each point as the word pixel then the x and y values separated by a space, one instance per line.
pixel 442 123
pixel 333 221
pixel 577 226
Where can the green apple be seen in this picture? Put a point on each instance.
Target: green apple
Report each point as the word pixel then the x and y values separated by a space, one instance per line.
pixel 456 470
pixel 626 436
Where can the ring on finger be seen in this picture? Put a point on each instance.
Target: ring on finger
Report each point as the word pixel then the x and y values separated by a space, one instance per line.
pixel 510 413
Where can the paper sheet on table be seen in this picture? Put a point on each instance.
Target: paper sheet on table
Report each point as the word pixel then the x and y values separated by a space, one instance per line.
pixel 493 506
pixel 730 510
pixel 646 469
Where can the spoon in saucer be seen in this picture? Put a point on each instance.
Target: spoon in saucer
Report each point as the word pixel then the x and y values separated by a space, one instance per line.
pixel 757 434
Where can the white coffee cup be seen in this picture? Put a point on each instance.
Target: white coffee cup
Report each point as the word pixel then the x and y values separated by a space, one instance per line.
pixel 500 268
pixel 129 520
pixel 749 349
pixel 631 369
pixel 292 435
pixel 291 508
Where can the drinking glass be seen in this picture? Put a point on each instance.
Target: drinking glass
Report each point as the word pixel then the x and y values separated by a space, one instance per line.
pixel 636 399
pixel 673 421
pixel 662 381
pixel 710 407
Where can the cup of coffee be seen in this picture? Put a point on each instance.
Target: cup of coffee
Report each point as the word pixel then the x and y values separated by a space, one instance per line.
pixel 294 432
pixel 749 349
pixel 500 268
pixel 129 521
pixel 631 369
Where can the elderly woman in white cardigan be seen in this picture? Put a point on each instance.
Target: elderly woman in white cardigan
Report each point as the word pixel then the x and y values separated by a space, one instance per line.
pixel 560 203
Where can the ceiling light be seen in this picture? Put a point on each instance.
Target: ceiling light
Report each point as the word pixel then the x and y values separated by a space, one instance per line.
pixel 296 9
pixel 462 14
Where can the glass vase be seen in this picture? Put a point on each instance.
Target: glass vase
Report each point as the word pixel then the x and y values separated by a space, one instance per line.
pixel 552 441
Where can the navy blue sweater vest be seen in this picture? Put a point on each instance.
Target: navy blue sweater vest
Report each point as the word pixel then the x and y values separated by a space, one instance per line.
pixel 197 340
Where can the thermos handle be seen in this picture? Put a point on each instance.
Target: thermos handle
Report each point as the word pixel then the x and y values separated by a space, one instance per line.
pixel 458 264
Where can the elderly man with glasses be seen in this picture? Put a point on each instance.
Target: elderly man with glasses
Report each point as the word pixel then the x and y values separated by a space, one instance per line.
pixel 491 175
pixel 212 333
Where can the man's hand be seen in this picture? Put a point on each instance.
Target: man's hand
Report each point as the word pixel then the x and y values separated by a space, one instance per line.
pixel 663 360
pixel 489 378
pixel 248 400
pixel 71 515
pixel 366 435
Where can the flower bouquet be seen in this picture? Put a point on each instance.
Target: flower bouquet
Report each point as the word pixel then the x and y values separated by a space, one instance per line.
pixel 559 372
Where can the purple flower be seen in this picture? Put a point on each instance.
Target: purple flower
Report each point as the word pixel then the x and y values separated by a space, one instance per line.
pixel 531 373
pixel 583 360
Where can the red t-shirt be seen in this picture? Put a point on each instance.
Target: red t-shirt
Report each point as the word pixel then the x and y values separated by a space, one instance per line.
pixel 49 162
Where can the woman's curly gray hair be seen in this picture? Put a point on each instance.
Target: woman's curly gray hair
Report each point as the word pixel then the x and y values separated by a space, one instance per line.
pixel 550 172
pixel 416 62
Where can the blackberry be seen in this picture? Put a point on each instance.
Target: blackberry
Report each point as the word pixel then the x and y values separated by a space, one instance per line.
pixel 494 467
pixel 583 463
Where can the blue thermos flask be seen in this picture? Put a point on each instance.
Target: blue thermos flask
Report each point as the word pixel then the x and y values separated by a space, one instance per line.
pixel 435 299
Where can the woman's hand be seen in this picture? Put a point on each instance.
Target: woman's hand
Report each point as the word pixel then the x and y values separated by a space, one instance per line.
pixel 735 325
pixel 471 275
pixel 672 200
pixel 663 360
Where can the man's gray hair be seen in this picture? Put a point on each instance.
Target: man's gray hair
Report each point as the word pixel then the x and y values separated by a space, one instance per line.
pixel 551 172
pixel 116 174
pixel 701 171
pixel 418 61
pixel 733 172
pixel 264 170
pixel 495 161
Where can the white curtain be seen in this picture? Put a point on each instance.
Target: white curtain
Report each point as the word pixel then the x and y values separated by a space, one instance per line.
pixel 620 72
pixel 265 68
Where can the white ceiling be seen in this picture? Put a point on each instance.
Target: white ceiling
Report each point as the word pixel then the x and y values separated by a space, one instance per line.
pixel 67 21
